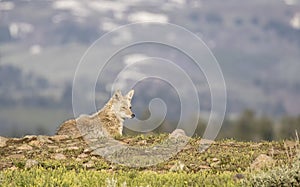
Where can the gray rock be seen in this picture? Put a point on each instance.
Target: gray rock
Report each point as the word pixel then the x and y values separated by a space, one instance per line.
pixel 25 147
pixel 3 141
pixel 16 156
pixel 89 165
pixel 72 148
pixel 55 147
pixel 4 165
pixel 83 155
pixel 178 166
pixel 44 139
pixel 59 138
pixel 262 161
pixel 29 138
pixel 59 156
pixel 15 140
pixel 177 133
pixel 87 150
pixel 58 150
pixel 30 163
pixel 35 143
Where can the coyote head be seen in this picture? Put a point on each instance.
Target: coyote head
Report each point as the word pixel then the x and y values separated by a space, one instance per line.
pixel 121 105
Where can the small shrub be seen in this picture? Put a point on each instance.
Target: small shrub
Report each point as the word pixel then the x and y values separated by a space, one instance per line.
pixel 286 175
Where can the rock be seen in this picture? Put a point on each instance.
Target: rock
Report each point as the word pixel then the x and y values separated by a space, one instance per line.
pixel 44 139
pixel 204 167
pixel 83 155
pixel 13 168
pixel 16 156
pixel 4 165
pixel 204 144
pixel 35 143
pixel 88 150
pixel 142 142
pixel 30 163
pixel 178 166
pixel 18 152
pixel 208 142
pixel 89 165
pixel 58 138
pixel 29 138
pixel 59 150
pixel 3 142
pixel 24 147
pixel 238 176
pixel 177 133
pixel 66 149
pixel 72 148
pixel 59 156
pixel 215 162
pixel 53 147
pixel 15 140
pixel 94 158
pixel 262 161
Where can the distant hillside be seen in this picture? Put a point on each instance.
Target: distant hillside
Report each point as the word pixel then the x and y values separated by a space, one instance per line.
pixel 256 43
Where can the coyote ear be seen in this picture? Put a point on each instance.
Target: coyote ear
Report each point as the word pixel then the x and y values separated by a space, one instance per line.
pixel 117 95
pixel 130 94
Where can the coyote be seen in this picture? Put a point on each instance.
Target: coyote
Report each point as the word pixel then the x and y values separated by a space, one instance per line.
pixel 106 122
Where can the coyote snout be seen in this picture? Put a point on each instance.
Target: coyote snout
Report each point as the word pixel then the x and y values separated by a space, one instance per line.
pixel 107 121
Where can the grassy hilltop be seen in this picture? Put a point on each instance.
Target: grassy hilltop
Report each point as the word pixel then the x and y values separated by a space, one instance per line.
pixel 61 161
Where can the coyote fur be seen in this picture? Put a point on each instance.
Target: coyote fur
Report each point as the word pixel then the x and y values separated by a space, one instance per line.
pixel 106 122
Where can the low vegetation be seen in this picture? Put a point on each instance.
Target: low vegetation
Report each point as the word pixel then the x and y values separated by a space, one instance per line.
pixel 285 175
pixel 61 161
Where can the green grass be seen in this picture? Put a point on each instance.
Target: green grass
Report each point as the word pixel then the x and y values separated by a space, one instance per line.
pixel 62 176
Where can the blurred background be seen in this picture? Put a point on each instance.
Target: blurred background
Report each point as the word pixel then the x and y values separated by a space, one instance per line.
pixel 257 44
